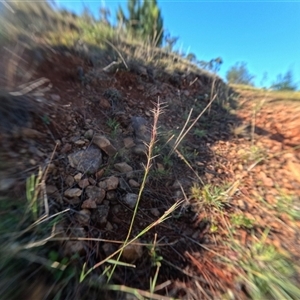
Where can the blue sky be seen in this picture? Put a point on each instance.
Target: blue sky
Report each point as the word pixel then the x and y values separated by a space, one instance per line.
pixel 264 34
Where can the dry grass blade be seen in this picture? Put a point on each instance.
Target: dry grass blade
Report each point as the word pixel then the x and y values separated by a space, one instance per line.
pixel 183 134
pixel 140 294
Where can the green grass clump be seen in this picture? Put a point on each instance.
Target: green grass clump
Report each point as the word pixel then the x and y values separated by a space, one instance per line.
pixel 268 273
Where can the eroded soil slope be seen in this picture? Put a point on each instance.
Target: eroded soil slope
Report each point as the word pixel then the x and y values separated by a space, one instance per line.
pixel 236 166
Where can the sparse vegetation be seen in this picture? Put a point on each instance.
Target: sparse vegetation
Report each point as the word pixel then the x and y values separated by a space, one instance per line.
pixel 239 74
pixel 284 82
pixel 212 208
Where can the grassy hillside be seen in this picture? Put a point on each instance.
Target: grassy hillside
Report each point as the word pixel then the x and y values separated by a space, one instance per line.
pixel 126 172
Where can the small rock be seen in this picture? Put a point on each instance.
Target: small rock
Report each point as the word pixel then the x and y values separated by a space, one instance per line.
pixel 104 103
pixel 92 181
pixel 100 173
pixel 86 161
pixel 66 148
pixel 89 134
pixel 55 97
pixel 83 217
pixel 140 87
pixel 141 131
pixel 102 185
pixel 104 144
pixel 112 183
pixel 130 199
pixel 123 167
pixel 78 177
pixel 133 251
pixel 89 204
pixel 133 183
pixel 83 183
pixel 128 142
pixel 31 133
pixel 155 212
pixel 51 168
pixel 79 143
pixel 140 149
pixel 71 193
pixel 95 193
pixel 130 175
pixel 186 93
pixel 69 181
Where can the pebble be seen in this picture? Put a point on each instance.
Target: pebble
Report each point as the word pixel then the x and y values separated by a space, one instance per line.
pixel 89 204
pixel 132 252
pixel 71 193
pixel 123 167
pixel 130 199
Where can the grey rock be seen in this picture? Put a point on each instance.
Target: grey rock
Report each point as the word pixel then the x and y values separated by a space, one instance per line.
pixel 141 130
pixel 55 97
pixel 130 199
pixel 123 185
pixel 155 212
pixel 86 161
pixel 89 134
